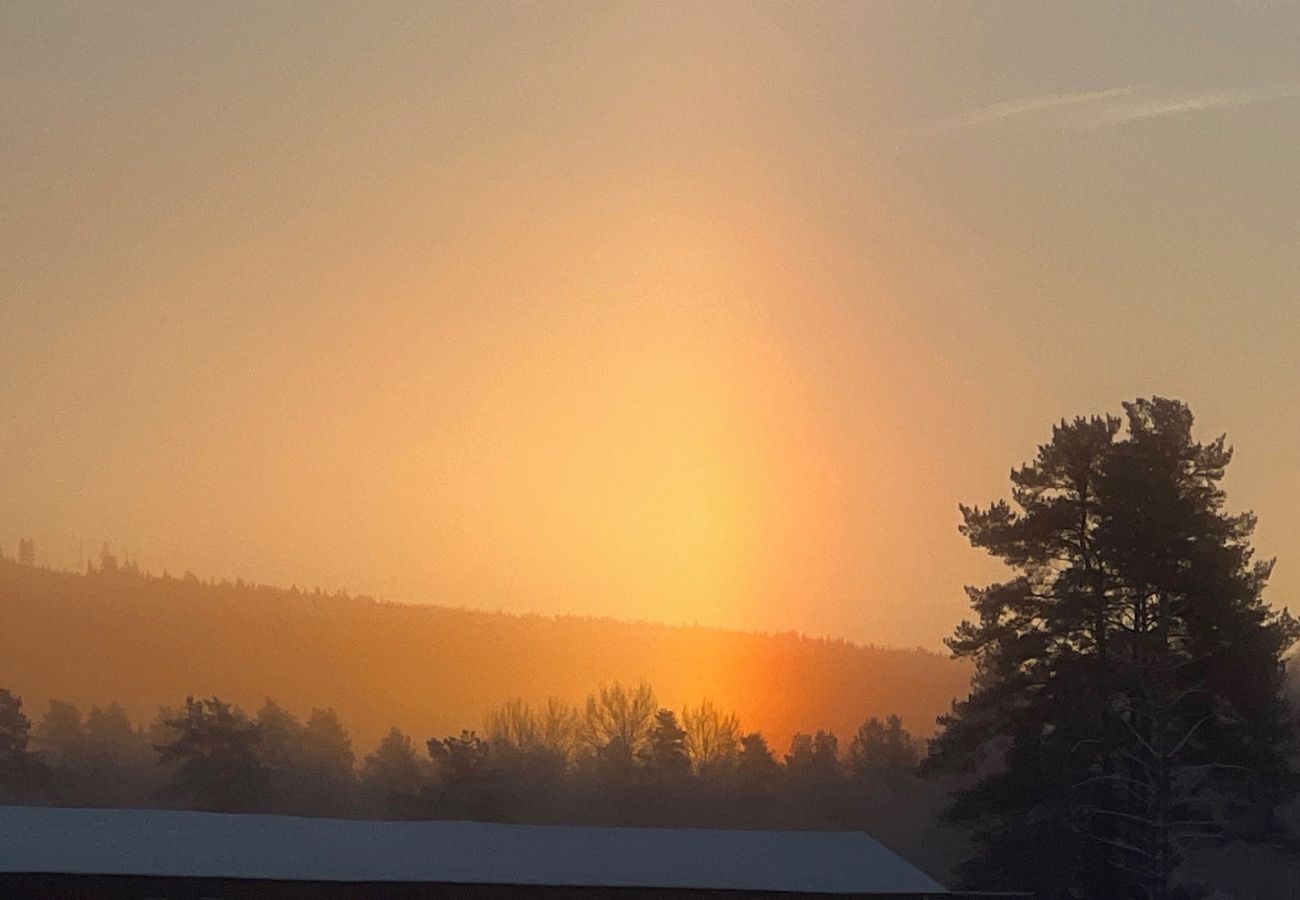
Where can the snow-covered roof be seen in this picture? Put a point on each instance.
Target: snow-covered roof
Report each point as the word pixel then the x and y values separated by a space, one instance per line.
pixel 196 844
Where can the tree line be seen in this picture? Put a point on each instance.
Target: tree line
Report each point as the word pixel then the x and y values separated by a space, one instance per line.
pixel 208 754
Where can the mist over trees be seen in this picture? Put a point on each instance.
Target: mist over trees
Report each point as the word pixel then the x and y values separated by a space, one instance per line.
pixel 1128 731
pixel 550 763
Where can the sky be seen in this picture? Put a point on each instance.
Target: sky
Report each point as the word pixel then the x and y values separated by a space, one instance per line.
pixel 685 312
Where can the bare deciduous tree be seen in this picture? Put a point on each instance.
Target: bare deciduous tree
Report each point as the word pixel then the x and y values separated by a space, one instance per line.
pixel 712 736
pixel 617 723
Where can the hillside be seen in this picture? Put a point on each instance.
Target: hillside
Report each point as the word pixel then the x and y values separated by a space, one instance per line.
pixel 146 641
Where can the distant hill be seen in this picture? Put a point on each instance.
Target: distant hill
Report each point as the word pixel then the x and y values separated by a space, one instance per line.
pixel 431 670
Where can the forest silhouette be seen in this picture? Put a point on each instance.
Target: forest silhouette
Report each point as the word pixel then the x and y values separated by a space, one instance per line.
pixel 1128 730
pixel 617 759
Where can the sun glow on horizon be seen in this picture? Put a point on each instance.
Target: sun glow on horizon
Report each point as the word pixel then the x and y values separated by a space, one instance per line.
pixel 709 314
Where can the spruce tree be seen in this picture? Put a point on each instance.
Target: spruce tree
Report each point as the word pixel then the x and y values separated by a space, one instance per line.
pixel 666 752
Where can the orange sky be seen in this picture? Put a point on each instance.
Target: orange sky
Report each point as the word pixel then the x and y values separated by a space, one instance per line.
pixel 650 311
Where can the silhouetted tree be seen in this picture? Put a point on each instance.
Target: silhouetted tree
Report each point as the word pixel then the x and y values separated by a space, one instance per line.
pixel 712 737
pixel 814 756
pixel 393 775
pixel 101 761
pixel 216 751
pixel 282 754
pixel 826 750
pixel 616 727
pixel 1128 679
pixel 559 725
pixel 119 762
pixel 530 747
pixel 882 746
pixel 109 732
pixel 665 753
pixel 755 760
pixel 465 777
pixel 328 748
pixel 309 767
pixel 329 763
pixel 280 738
pixel 26 552
pixel 160 731
pixel 514 725
pixel 801 751
pixel 61 735
pixel 21 774
pixel 107 561
pixel 460 759
pixel 15 729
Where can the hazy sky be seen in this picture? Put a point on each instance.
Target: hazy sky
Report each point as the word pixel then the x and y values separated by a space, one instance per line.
pixel 697 312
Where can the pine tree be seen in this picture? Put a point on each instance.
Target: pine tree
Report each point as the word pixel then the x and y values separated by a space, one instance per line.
pixel 218 767
pixel 1127 696
pixel 467 779
pixel 461 759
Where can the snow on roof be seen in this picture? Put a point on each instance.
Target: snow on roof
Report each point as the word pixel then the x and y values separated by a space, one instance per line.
pixel 189 844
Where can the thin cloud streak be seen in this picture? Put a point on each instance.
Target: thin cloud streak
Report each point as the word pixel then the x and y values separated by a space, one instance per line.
pixel 1093 110
pixel 1140 110
pixel 1010 109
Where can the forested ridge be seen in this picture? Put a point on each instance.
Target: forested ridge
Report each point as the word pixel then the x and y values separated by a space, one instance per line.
pixel 115 634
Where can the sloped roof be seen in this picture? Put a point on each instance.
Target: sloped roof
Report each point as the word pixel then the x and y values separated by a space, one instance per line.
pixel 190 844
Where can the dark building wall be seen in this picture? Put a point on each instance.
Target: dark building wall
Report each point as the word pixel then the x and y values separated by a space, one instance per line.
pixel 125 887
